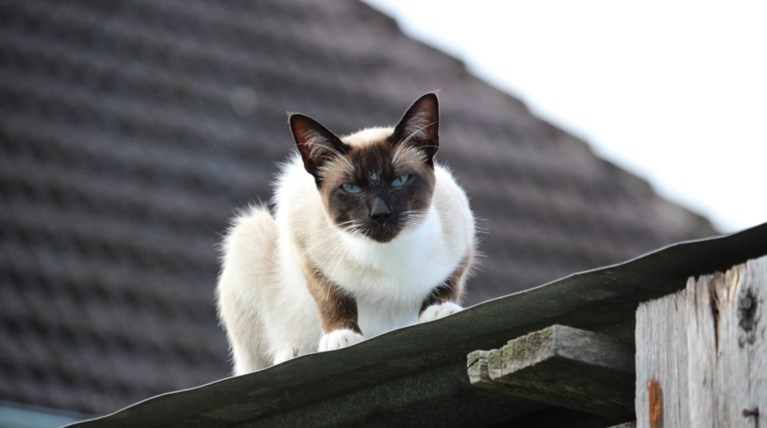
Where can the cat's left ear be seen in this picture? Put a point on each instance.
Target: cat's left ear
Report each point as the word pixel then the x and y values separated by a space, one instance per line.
pixel 316 144
pixel 420 126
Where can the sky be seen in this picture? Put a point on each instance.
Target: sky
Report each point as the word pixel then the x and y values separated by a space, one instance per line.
pixel 673 91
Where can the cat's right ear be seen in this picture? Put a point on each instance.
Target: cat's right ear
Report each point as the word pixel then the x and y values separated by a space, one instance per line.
pixel 420 126
pixel 316 144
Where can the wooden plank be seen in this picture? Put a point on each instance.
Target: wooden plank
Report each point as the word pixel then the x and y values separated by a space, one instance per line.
pixel 561 366
pixel 702 352
pixel 658 325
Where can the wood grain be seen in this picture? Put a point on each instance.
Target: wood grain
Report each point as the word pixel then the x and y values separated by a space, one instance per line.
pixel 704 350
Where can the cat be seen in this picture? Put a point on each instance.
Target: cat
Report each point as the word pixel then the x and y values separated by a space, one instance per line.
pixel 369 234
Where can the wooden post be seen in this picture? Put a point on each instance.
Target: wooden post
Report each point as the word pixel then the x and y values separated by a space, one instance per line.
pixel 702 353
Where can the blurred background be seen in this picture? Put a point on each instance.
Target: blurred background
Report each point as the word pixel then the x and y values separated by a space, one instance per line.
pixel 131 131
pixel 672 91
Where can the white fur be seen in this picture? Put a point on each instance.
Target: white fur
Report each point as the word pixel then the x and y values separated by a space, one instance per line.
pixel 338 339
pixel 440 310
pixel 264 302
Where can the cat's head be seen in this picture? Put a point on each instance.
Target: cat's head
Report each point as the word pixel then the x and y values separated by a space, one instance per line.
pixel 379 181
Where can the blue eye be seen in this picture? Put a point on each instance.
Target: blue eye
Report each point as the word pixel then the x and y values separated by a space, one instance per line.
pixel 351 188
pixel 400 181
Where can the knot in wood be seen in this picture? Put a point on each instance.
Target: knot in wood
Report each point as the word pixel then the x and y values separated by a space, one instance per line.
pixel 748 316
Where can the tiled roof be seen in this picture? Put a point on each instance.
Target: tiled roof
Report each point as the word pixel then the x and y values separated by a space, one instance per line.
pixel 130 132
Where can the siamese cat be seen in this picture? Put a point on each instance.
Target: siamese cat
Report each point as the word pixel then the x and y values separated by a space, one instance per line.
pixel 368 234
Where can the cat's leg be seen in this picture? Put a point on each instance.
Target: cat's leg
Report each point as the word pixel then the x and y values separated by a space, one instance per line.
pixel 337 310
pixel 284 354
pixel 441 302
pixel 244 331
pixel 290 319
pixel 291 325
pixel 247 347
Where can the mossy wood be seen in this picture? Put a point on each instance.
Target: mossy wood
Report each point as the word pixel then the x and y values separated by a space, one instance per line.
pixel 561 366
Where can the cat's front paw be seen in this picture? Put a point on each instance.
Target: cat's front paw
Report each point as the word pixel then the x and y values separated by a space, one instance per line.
pixel 338 339
pixel 440 310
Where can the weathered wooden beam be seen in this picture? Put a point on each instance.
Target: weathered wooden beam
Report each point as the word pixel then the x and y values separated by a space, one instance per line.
pixel 702 352
pixel 561 366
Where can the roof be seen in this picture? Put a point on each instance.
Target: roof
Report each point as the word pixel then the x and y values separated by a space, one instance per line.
pixel 131 131
pixel 417 376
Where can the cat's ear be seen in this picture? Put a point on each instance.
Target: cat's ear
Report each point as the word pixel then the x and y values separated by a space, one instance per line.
pixel 420 126
pixel 316 143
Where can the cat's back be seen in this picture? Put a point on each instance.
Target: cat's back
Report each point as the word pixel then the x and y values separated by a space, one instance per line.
pixel 452 205
pixel 297 203
pixel 294 185
pixel 249 249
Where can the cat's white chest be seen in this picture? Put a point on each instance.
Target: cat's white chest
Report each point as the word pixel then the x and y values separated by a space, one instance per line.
pixel 401 272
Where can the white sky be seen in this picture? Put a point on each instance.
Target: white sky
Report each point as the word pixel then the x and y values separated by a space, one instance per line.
pixel 674 91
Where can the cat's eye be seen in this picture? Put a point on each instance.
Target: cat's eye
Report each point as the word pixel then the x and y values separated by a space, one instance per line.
pixel 400 181
pixel 351 188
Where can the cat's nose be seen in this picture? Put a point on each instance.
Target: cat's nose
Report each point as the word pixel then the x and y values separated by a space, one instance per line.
pixel 379 211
